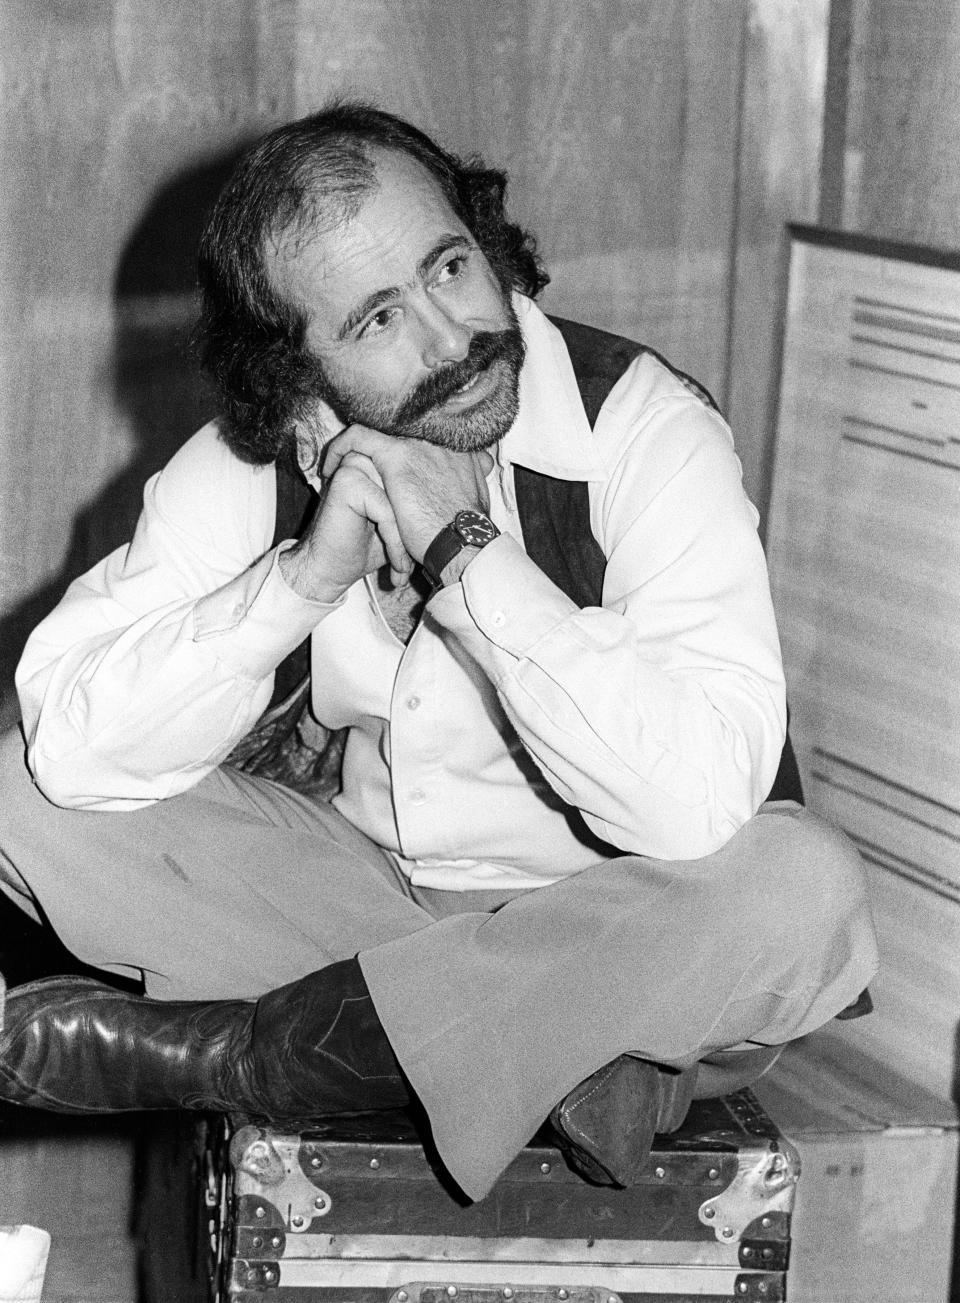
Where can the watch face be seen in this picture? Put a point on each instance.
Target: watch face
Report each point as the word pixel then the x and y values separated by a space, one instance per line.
pixel 475 528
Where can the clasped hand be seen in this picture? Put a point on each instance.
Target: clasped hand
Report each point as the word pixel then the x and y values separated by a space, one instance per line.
pixel 384 500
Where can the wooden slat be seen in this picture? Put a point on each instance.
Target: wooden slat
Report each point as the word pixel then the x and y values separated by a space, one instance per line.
pixel 904 120
pixel 778 181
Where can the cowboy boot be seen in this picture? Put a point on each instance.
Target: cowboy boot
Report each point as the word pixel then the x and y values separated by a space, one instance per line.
pixel 310 1049
pixel 606 1125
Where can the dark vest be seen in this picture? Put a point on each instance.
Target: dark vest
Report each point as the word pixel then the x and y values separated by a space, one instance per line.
pixel 554 513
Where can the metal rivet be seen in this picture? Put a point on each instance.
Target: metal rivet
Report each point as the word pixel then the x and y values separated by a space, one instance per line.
pixel 660 1173
pixel 258 1241
pixel 402 1296
pixel 766 1222
pixel 762 1287
pixel 269 1275
pixel 375 1163
pixel 563 1293
pixel 319 1202
pixel 713 1173
pixel 507 1292
pixel 727 1232
pixel 742 1287
pixel 275 1241
pixel 747 1251
pixel 452 1291
pixel 253 1276
pixel 316 1161
pixel 710 1213
pixel 767 1253
pixel 260 1211
pixel 298 1221
pixel 546 1169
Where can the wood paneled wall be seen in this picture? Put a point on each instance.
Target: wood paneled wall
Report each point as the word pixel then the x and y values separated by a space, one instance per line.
pixel 656 146
pixel 900 90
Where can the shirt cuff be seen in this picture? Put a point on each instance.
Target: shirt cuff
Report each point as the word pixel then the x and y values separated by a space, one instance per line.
pixel 257 619
pixel 504 595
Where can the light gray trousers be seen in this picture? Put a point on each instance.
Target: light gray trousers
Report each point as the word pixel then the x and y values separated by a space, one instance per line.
pixel 495 1007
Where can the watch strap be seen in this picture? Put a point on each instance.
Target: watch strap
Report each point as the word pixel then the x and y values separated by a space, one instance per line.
pixel 469 528
pixel 440 553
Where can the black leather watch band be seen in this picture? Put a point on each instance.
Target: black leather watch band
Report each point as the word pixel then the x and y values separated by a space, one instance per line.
pixel 467 529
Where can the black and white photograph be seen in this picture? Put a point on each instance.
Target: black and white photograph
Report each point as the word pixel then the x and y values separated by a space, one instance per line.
pixel 479 651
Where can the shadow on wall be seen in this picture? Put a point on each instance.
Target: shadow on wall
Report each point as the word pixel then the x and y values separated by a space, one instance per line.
pixel 155 381
pixel 162 398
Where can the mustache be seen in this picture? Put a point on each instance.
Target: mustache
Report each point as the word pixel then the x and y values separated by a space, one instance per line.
pixel 486 347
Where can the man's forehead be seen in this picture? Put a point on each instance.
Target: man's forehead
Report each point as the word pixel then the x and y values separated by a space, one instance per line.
pixel 340 252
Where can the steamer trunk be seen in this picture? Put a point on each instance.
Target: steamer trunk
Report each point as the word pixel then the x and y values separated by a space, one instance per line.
pixel 362 1214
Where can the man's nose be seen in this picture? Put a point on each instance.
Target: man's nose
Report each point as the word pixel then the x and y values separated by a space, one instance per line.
pixel 444 337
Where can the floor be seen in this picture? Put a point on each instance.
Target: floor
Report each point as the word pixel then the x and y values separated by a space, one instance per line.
pixel 74 1179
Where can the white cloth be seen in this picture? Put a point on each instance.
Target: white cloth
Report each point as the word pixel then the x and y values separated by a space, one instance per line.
pixel 660 716
pixel 23 1263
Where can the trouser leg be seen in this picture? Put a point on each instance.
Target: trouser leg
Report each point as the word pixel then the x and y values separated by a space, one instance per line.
pixel 496 1017
pixel 229 890
pixel 238 886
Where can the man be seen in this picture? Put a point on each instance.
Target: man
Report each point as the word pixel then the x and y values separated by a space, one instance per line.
pixel 544 886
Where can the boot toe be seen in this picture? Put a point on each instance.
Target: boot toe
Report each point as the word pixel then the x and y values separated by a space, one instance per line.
pixel 606 1125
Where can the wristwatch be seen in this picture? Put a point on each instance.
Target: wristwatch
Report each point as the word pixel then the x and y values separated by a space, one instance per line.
pixel 467 529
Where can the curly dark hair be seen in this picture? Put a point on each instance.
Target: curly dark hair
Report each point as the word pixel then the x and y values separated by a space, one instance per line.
pixel 304 177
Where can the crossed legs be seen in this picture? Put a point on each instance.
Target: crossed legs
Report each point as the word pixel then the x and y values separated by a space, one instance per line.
pixel 239 887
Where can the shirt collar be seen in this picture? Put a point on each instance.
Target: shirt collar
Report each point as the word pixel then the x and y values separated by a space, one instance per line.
pixel 551 433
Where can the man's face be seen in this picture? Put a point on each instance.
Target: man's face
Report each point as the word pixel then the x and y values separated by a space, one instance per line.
pixel 411 329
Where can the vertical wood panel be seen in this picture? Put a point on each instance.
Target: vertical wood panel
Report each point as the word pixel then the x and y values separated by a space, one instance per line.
pixel 633 187
pixel 779 160
pixel 836 107
pixel 103 105
pixel 905 121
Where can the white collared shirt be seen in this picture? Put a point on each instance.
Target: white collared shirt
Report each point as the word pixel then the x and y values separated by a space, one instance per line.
pixel 659 716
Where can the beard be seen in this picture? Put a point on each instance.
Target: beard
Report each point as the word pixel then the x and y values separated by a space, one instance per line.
pixel 420 416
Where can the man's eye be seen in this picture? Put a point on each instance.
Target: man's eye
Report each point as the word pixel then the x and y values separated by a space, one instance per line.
pixel 379 321
pixel 452 268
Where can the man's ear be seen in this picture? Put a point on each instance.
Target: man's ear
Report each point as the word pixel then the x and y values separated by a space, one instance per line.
pixel 309 446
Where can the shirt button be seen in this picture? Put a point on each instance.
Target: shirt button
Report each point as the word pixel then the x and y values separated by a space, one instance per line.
pixel 413 703
pixel 418 796
pixel 239 608
pixel 498 619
